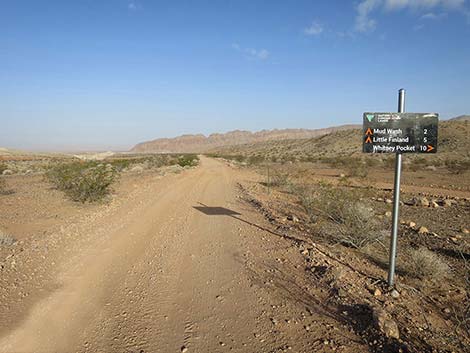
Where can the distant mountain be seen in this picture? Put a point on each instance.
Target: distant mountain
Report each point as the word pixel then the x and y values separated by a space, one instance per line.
pixel 200 143
pixel 461 118
pixel 453 143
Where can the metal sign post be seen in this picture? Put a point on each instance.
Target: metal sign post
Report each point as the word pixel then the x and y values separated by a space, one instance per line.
pixel 396 201
pixel 399 133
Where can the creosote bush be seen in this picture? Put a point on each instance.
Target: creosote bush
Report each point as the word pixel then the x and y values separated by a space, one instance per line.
pixel 83 182
pixel 340 215
pixel 189 160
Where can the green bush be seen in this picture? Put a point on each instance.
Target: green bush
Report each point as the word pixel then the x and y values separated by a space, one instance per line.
pixel 3 167
pixel 83 182
pixel 189 160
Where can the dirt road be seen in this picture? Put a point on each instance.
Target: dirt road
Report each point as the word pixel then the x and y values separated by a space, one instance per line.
pixel 183 266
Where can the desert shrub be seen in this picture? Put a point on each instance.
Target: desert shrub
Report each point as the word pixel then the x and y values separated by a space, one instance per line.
pixel 458 166
pixel 3 167
pixel 83 182
pixel 189 160
pixel 277 178
pixel 462 317
pixel 3 187
pixel 6 239
pixel 357 169
pixel 425 264
pixel 340 215
pixel 121 164
pixel 255 159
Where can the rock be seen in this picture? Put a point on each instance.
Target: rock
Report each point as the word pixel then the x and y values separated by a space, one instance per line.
pixel 447 203
pixel 342 175
pixel 411 224
pixel 394 294
pixel 434 204
pixel 184 349
pixel 413 202
pixel 292 218
pixel 465 231
pixel 386 325
pixel 137 169
pixel 447 310
pixel 388 214
pixel 7 172
pixel 423 230
pixel 304 252
pixel 377 292
pixel 388 201
pixel 424 202
pixel 431 168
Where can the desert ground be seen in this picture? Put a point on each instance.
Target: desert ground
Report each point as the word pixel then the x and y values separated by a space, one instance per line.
pixel 225 257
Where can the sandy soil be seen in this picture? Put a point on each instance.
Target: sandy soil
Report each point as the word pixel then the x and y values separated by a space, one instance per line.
pixel 173 263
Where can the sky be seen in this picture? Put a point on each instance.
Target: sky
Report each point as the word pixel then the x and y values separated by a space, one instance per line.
pixel 107 74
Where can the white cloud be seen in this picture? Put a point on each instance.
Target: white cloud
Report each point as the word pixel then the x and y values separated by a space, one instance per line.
pixel 133 6
pixel 423 4
pixel 250 53
pixel 364 22
pixel 433 16
pixel 314 30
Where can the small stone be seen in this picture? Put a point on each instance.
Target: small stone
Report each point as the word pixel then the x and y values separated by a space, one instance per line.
pixel 434 204
pixel 388 201
pixel 307 328
pixel 388 214
pixel 447 203
pixel 304 252
pixel 447 310
pixel 411 224
pixel 465 231
pixel 7 172
pixel 292 218
pixel 424 202
pixel 386 325
pixel 342 175
pixel 395 294
pixel 423 230
pixel 184 349
pixel 377 292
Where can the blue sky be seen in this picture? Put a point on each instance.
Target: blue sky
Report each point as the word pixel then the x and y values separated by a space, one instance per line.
pixel 89 74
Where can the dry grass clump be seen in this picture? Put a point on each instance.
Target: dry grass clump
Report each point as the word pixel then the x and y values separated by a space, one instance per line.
pixel 3 186
pixel 277 178
pixel 83 182
pixel 341 215
pixel 6 239
pixel 459 166
pixel 425 264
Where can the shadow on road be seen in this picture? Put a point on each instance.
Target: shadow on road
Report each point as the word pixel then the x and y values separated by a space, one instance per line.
pixel 216 211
